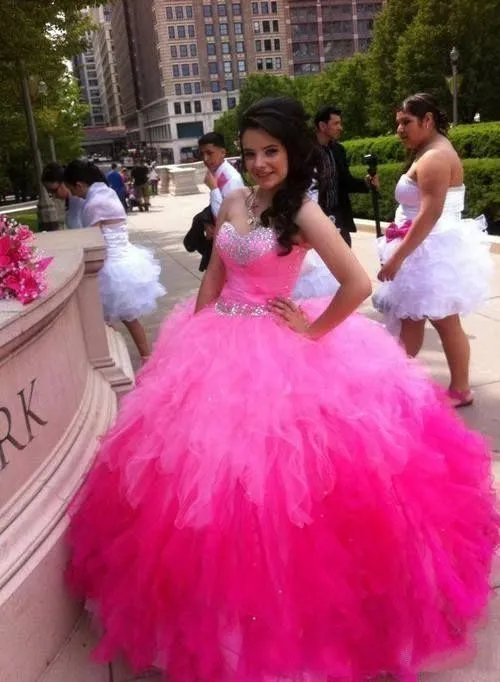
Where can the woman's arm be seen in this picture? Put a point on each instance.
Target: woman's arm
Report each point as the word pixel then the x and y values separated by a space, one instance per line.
pixel 318 231
pixel 215 274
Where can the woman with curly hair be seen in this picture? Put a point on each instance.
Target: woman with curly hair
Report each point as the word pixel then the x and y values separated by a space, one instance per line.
pixel 267 506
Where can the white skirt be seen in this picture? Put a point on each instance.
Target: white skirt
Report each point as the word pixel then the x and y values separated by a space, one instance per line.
pixel 315 279
pixel 448 274
pixel 129 284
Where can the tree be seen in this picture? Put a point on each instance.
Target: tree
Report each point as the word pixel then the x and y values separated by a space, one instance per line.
pixel 37 37
pixel 227 126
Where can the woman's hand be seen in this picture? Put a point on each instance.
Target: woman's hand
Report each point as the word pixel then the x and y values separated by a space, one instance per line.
pixel 389 271
pixel 291 314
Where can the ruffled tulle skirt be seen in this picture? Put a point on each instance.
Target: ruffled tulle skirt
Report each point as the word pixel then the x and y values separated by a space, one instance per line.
pixel 129 283
pixel 449 273
pixel 315 279
pixel 268 508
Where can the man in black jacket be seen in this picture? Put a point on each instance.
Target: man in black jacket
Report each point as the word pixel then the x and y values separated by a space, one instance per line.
pixel 200 236
pixel 336 182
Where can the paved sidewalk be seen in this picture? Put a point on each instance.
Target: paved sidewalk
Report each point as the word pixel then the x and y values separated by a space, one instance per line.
pixel 163 229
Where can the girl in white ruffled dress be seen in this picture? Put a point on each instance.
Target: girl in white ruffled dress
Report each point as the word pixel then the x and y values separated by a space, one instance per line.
pixel 435 265
pixel 129 279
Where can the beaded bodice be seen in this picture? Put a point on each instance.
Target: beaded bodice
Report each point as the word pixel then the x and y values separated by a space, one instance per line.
pixel 255 270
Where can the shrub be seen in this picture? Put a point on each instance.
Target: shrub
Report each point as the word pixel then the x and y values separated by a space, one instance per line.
pixel 482 180
pixel 473 141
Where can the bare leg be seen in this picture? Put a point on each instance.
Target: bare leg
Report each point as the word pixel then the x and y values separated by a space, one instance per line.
pixel 457 350
pixel 138 335
pixel 411 336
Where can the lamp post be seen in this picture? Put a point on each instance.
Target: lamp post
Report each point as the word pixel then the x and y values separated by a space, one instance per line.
pixel 47 216
pixel 43 90
pixel 454 57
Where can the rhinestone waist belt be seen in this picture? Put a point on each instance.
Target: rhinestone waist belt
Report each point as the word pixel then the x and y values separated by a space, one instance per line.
pixel 237 308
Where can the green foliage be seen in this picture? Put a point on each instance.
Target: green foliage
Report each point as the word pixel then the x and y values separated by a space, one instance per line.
pixel 37 36
pixel 411 53
pixel 30 219
pixel 478 140
pixel 482 179
pixel 227 126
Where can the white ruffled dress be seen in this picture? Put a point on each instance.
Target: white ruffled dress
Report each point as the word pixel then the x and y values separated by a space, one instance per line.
pixel 129 279
pixel 449 273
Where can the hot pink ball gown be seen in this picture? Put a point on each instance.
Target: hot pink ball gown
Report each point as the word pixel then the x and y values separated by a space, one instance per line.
pixel 268 507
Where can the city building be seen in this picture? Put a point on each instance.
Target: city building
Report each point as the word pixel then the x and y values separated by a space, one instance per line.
pixel 323 31
pixel 182 63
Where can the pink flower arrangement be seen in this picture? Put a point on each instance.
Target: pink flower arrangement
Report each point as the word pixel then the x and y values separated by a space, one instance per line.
pixel 22 268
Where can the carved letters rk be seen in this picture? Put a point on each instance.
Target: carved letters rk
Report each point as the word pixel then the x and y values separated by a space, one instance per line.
pixel 18 435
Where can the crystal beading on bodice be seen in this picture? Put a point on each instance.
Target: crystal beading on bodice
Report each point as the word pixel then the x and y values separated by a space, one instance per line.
pixel 407 194
pixel 116 238
pixel 255 270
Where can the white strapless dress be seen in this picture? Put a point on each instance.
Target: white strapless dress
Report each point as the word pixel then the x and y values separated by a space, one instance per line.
pixel 449 273
pixel 129 279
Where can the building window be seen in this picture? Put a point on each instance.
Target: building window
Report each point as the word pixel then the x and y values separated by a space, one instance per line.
pixel 189 12
pixel 269 64
pixel 229 85
pixel 231 102
pixel 178 89
pixel 224 29
pixel 187 107
pixel 216 105
pixel 276 26
pixel 197 106
pixel 277 44
pixel 258 45
pixel 256 27
pixel 268 45
pixel 226 48
pixel 213 68
pixel 240 47
pixel 209 29
pixel 179 14
pixel 228 67
pixel 170 13
pixel 266 27
pixel 173 51
pixel 171 32
pixel 238 28
pixel 242 67
pixel 264 8
pixel 211 49
pixel 207 10
pixel 181 31
pixel 197 88
pixel 277 63
pixel 188 89
pixel 175 71
pixel 255 7
pixel 214 86
pixel 183 50
pixel 222 11
pixel 185 70
pixel 274 8
pixel 191 31
pixel 194 69
pixel 260 65
pixel 193 51
pixel 177 108
pixel 236 9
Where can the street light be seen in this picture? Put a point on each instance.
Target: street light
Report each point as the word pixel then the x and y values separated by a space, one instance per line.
pixel 454 57
pixel 43 90
pixel 47 216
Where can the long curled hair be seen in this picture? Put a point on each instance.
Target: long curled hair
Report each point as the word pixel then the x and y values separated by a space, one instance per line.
pixel 423 103
pixel 285 119
pixel 83 171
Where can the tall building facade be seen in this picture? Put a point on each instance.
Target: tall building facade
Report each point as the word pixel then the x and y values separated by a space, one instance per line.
pixel 181 63
pixel 323 31
pixel 95 71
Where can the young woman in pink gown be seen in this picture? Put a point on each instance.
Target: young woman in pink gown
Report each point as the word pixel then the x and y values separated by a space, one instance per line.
pixel 284 495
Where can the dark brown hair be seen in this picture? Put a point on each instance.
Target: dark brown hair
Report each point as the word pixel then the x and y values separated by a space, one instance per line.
pixel 423 103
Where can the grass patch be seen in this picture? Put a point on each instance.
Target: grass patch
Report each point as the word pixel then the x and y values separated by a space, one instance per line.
pixel 26 218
